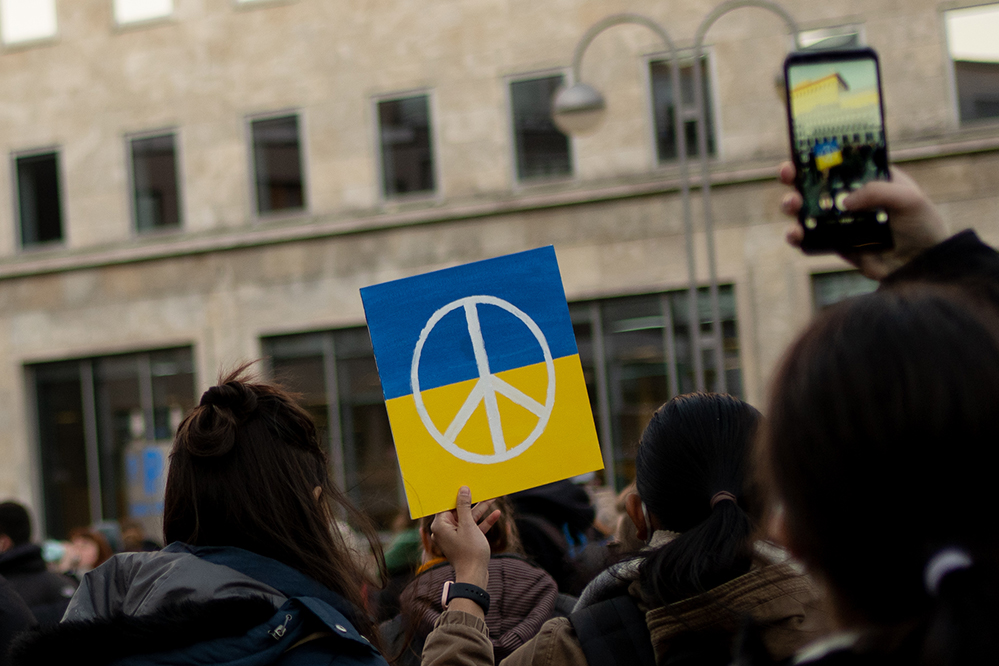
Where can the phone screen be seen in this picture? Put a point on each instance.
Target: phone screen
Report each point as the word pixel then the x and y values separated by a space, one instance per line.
pixel 838 139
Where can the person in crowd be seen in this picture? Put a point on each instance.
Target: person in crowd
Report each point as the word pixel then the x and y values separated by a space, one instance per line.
pixel 254 572
pixel 402 559
pixel 555 523
pixel 46 593
pixel 882 423
pixel 923 251
pixel 87 549
pixel 523 595
pixel 134 539
pixel 683 600
pixel 15 618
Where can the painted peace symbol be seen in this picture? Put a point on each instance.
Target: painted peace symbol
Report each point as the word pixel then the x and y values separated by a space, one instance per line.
pixel 487 386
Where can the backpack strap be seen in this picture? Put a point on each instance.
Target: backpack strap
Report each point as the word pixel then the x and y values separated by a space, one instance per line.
pixel 614 632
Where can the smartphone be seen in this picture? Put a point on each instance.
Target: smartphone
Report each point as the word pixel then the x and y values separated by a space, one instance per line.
pixel 836 120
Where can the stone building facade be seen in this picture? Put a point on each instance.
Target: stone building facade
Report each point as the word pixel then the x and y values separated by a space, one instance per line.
pixel 192 183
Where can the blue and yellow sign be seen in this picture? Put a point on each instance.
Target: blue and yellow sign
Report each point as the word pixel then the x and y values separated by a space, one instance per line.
pixel 482 379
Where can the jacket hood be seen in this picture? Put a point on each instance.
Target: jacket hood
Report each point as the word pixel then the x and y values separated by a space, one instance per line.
pixel 197 606
pixel 522 598
pixel 137 584
pixel 779 599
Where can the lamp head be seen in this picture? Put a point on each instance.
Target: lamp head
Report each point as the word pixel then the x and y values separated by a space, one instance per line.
pixel 578 109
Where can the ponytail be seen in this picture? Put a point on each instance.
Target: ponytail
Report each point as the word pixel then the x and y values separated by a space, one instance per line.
pixel 691 472
pixel 703 557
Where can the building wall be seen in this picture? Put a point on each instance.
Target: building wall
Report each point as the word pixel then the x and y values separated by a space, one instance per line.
pixel 227 277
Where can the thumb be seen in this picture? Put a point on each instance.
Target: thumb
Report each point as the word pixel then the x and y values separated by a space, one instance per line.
pixel 881 194
pixel 464 506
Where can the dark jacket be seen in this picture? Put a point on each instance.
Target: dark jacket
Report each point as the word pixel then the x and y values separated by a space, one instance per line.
pixel 15 618
pixel 961 261
pixel 188 605
pixel 522 598
pixel 775 594
pixel 46 593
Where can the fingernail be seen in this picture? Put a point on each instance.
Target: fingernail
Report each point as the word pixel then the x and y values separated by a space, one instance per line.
pixel 464 492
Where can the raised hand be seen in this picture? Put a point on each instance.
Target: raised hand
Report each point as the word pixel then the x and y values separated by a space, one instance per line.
pixel 915 223
pixel 461 536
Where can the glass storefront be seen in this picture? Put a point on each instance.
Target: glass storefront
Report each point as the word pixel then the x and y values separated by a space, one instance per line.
pixel 635 352
pixel 105 427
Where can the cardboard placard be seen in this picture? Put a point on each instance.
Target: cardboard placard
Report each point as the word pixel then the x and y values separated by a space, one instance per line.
pixel 482 379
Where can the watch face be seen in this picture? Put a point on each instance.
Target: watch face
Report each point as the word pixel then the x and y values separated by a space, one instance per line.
pixel 444 593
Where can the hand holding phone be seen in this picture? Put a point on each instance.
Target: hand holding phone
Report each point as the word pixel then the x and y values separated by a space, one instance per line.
pixel 916 223
pixel 838 143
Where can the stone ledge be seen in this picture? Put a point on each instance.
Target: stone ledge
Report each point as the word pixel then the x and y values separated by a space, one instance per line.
pixel 313 227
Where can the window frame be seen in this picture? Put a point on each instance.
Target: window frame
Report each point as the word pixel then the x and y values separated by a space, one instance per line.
pixel 142 23
pixel 303 157
pixel 178 174
pixel 33 41
pixel 435 195
pixel 686 56
pixel 517 183
pixel 16 190
pixel 950 71
pixel 94 434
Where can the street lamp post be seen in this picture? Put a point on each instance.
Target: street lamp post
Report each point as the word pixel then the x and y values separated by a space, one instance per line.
pixel 578 108
pixel 702 155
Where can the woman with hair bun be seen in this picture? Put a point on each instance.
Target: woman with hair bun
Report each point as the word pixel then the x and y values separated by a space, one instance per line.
pixel 683 599
pixel 255 571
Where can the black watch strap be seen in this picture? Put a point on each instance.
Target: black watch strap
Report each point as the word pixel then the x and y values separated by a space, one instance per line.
pixel 454 590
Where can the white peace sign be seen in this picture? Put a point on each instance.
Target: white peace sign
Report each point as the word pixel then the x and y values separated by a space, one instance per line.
pixel 487 386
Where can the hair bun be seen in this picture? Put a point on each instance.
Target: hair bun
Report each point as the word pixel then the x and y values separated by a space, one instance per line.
pixel 211 430
pixel 234 396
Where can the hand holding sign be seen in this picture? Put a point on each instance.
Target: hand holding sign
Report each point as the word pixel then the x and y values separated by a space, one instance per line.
pixel 482 379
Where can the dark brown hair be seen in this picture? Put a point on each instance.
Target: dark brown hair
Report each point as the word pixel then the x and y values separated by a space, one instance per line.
pixel 104 552
pixel 243 472
pixel 882 425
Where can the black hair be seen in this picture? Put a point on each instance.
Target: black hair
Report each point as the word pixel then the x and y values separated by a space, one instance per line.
pixel 882 422
pixel 695 446
pixel 15 522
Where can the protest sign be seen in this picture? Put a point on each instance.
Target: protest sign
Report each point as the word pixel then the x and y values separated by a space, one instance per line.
pixel 482 379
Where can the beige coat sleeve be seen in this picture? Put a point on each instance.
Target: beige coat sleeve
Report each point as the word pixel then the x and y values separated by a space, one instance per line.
pixel 460 639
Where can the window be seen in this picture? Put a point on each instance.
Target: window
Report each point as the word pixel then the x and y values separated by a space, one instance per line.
pixel 542 150
pixel 407 156
pixel 105 427
pixel 830 288
pixel 663 108
pixel 335 374
pixel 38 199
pixel 154 181
pixel 836 37
pixel 277 158
pixel 974 49
pixel 132 11
pixel 27 20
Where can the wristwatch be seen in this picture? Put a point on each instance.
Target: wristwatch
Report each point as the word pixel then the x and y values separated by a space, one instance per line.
pixel 454 590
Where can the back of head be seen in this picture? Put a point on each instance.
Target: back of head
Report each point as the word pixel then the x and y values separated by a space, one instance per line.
pixel 882 427
pixel 245 471
pixel 15 523
pixel 695 447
